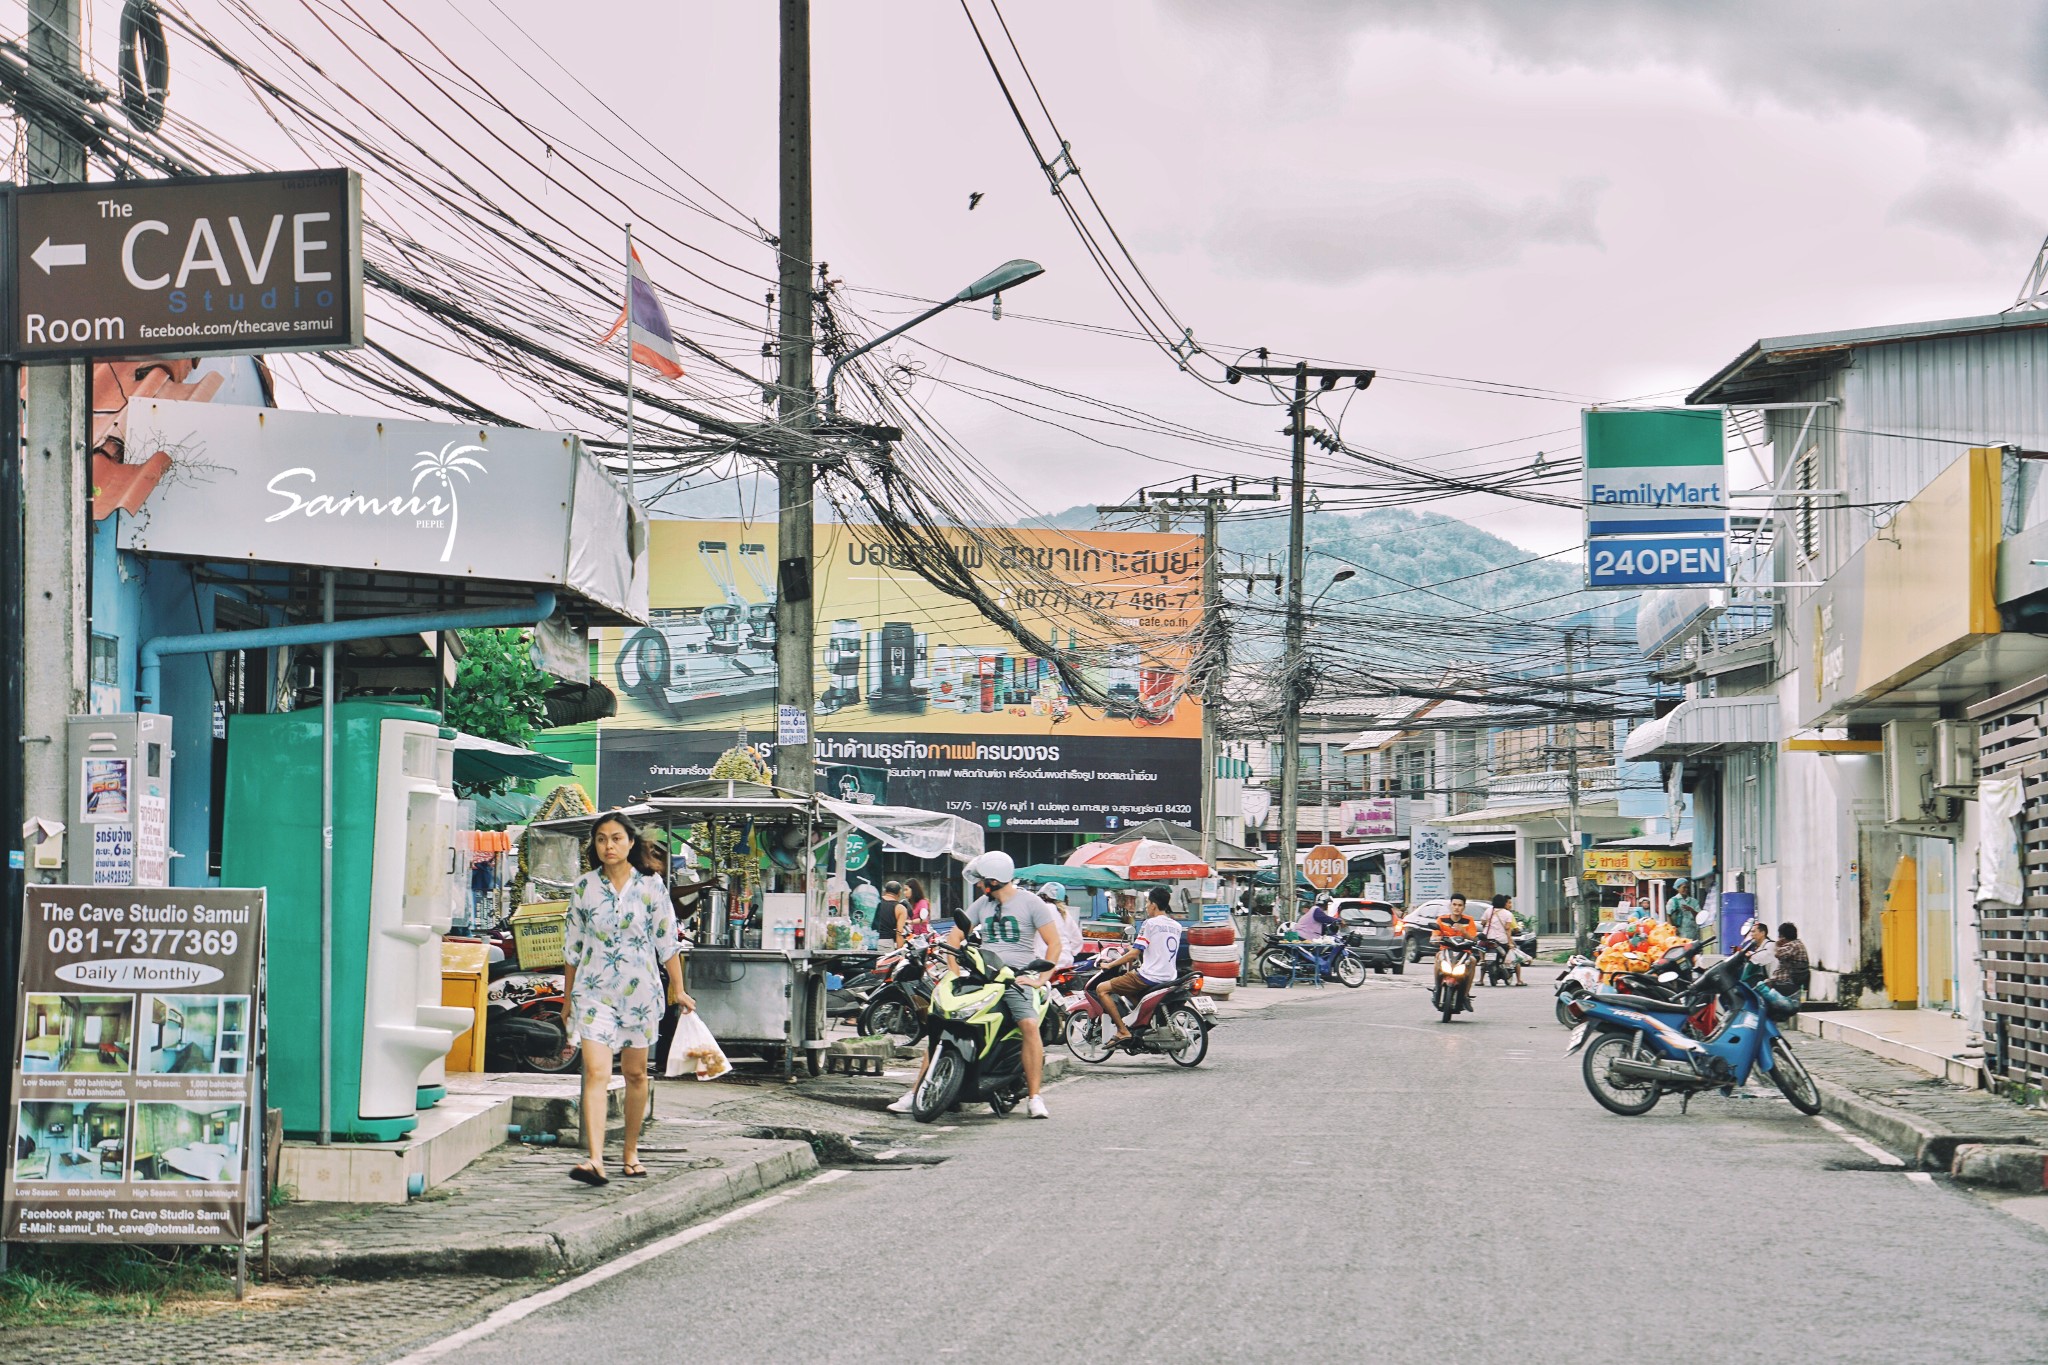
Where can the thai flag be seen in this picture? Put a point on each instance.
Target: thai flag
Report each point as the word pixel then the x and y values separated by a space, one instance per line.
pixel 654 345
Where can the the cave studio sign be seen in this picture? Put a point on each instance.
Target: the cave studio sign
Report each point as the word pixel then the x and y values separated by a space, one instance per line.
pixel 218 264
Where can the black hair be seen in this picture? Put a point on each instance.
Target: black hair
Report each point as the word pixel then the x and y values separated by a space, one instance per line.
pixel 1788 930
pixel 1160 897
pixel 636 854
pixel 1457 895
pixel 1500 900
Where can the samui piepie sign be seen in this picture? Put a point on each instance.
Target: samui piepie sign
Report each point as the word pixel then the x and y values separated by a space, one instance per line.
pixel 135 1066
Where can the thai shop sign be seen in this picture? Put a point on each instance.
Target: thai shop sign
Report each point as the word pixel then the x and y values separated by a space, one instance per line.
pixel 1375 817
pixel 1912 598
pixel 376 493
pixel 1656 494
pixel 137 1113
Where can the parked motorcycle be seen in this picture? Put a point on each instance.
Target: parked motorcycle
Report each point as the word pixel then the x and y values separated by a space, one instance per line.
pixel 978 1052
pixel 898 993
pixel 523 1029
pixel 1579 978
pixel 1640 1049
pixel 1284 961
pixel 1169 1020
pixel 1457 967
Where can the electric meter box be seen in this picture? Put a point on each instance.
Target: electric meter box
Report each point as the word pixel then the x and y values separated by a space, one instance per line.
pixel 118 831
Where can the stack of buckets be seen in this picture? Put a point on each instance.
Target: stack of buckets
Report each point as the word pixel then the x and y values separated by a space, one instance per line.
pixel 1214 949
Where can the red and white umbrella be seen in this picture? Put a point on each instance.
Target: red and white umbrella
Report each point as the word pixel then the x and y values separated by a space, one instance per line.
pixel 1142 860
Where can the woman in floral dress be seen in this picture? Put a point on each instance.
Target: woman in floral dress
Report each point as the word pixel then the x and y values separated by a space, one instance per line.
pixel 622 965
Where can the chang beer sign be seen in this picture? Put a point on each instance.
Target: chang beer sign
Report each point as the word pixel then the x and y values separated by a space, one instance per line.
pixel 1656 492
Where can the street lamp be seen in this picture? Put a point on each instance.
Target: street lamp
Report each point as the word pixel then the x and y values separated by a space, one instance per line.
pixel 1008 275
pixel 1335 579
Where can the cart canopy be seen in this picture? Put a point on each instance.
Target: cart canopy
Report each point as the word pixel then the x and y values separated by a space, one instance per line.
pixel 920 833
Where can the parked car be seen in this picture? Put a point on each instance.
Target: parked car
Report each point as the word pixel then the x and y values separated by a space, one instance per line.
pixel 1421 926
pixel 1375 932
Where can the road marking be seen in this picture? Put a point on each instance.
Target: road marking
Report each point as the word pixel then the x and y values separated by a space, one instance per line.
pixel 1520 1054
pixel 1920 1177
pixel 1871 1150
pixel 527 1307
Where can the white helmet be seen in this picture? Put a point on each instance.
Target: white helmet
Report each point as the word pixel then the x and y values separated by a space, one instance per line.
pixel 993 866
pixel 1052 891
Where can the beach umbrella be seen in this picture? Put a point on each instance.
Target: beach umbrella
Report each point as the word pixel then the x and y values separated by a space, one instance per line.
pixel 1142 860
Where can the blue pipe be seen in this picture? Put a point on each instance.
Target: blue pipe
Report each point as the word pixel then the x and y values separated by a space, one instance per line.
pixel 148 693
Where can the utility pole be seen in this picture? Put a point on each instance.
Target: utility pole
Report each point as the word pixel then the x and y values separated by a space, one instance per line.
pixel 53 486
pixel 1292 692
pixel 1576 864
pixel 1207 494
pixel 795 478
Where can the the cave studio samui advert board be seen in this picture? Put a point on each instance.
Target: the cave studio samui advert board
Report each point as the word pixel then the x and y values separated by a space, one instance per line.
pixel 135 1106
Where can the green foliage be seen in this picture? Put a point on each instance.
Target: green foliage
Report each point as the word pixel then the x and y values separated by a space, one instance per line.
pixel 498 693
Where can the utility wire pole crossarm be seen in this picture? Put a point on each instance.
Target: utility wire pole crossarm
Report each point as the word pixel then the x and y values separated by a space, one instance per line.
pixel 1293 692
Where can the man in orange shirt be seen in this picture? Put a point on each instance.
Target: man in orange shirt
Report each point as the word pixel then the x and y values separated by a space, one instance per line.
pixel 1455 922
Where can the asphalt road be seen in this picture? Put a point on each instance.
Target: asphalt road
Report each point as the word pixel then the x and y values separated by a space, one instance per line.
pixel 1345 1178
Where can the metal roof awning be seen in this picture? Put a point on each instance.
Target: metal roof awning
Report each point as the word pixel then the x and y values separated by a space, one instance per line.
pixel 1704 723
pixel 1507 817
pixel 479 760
pixel 1776 367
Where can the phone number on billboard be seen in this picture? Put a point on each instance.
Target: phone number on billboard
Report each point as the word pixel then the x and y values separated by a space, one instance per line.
pixel 1106 599
pixel 178 942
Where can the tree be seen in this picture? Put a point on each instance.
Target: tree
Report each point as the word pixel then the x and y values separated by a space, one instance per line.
pixel 498 693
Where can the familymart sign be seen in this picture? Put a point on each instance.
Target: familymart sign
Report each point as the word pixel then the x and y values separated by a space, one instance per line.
pixel 1656 492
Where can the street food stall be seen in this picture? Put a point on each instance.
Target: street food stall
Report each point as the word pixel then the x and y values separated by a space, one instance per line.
pixel 767 865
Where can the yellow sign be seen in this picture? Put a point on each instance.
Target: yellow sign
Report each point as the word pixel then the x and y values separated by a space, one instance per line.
pixel 1598 861
pixel 1659 863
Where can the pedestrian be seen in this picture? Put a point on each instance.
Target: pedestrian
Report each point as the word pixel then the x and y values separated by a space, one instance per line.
pixel 1683 910
pixel 919 906
pixel 1055 895
pixel 618 940
pixel 1794 972
pixel 890 913
pixel 1499 927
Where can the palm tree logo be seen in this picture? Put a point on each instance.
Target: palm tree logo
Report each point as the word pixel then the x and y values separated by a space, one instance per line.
pixel 451 460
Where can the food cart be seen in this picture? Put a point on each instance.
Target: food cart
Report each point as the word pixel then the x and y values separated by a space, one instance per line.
pixel 770 858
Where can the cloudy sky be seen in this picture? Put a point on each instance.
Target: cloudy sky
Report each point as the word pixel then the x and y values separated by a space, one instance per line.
pixel 1600 201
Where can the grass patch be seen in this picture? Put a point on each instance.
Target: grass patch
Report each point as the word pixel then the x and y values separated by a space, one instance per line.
pixel 52 1284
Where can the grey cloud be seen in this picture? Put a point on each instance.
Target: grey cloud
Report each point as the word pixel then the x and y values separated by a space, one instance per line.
pixel 1986 218
pixel 1337 233
pixel 1953 68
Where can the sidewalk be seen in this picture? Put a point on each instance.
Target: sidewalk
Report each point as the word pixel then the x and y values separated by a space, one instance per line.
pixel 1933 1042
pixel 1911 1113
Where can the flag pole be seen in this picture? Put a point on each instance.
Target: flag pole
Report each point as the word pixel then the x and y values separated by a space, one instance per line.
pixel 632 480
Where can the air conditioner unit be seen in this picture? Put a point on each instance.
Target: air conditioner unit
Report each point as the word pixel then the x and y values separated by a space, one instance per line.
pixel 1909 795
pixel 1955 757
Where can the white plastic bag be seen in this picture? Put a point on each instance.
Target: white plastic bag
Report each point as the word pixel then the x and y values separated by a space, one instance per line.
pixel 693 1049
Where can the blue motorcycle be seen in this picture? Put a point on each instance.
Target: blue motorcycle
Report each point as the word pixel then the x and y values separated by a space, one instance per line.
pixel 1641 1049
pixel 1286 961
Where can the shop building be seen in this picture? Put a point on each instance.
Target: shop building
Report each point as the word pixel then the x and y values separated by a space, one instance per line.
pixel 1832 701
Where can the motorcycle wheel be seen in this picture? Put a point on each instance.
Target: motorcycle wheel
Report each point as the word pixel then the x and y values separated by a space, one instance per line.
pixel 1053 1027
pixel 1276 962
pixel 1085 1038
pixel 1189 1023
pixel 936 1093
pixel 1563 1015
pixel 570 1058
pixel 1351 971
pixel 1629 1098
pixel 1793 1080
pixel 1446 1001
pixel 890 1016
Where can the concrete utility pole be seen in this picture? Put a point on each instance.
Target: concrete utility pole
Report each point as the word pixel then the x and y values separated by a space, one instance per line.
pixel 795 685
pixel 1292 693
pixel 1209 496
pixel 53 485
pixel 1583 917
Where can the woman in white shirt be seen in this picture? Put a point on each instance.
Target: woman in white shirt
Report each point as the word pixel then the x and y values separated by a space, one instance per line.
pixel 1055 895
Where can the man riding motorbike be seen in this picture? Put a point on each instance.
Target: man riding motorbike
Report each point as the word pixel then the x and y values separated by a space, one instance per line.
pixel 1017 928
pixel 1319 920
pixel 1158 944
pixel 1455 922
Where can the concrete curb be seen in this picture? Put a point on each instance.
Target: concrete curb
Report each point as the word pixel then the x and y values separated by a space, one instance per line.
pixel 575 1242
pixel 1928 1147
pixel 2007 1166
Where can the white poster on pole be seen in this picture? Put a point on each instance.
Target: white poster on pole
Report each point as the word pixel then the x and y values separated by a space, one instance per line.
pixel 1429 850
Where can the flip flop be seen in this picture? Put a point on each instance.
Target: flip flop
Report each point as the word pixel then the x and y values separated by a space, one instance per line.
pixel 588 1174
pixel 633 1170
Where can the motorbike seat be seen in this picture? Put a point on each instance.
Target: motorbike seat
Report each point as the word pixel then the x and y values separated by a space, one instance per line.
pixel 1653 1004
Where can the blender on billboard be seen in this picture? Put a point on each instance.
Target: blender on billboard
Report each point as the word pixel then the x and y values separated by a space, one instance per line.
pixel 918 684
